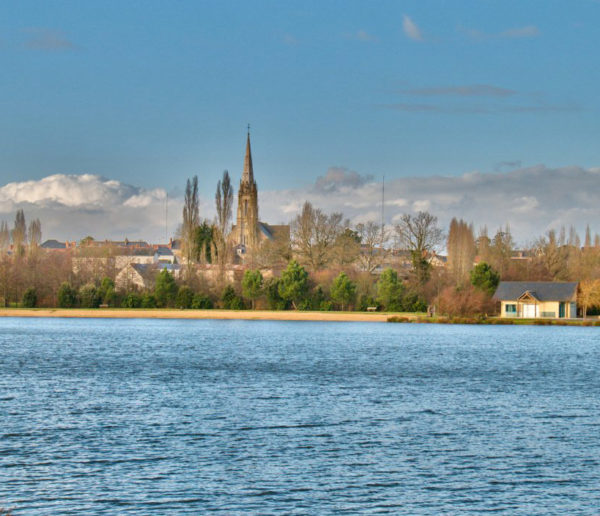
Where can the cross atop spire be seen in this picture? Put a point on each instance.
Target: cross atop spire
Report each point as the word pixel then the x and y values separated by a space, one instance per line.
pixel 248 174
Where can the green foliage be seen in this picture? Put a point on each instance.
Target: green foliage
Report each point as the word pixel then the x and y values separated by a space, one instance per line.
pixel 30 298
pixel 274 300
pixel 149 301
pixel 319 299
pixel 252 285
pixel 413 303
pixel 165 290
pixel 485 278
pixel 106 292
pixel 390 291
pixel 366 301
pixel 421 267
pixel 66 296
pixel 203 240
pixel 326 306
pixel 202 302
pixel 230 300
pixel 185 297
pixel 343 290
pixel 132 300
pixel 293 285
pixel 89 296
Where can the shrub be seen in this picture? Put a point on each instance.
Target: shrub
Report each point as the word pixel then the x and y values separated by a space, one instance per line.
pixel 149 301
pixel 30 298
pixel 398 319
pixel 326 306
pixel 66 296
pixel 89 296
pixel 230 300
pixel 184 299
pixel 132 300
pixel 463 301
pixel 202 302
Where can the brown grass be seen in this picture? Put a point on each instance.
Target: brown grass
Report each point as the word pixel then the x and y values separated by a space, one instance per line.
pixel 122 313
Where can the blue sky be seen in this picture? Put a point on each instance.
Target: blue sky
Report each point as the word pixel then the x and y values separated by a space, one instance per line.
pixel 149 93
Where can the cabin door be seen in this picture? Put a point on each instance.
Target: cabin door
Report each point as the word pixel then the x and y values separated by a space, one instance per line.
pixel 529 311
pixel 561 310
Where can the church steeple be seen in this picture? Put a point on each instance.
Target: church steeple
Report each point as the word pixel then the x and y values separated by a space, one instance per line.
pixel 246 229
pixel 248 174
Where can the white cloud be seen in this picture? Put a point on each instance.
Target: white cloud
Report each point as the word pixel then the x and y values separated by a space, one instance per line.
pixel 411 29
pixel 531 199
pixel 73 206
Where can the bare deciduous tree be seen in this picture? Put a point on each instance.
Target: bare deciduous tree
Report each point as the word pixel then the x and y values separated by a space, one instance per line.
pixel 19 233
pixel 314 234
pixel 372 251
pixel 191 218
pixel 224 205
pixel 420 235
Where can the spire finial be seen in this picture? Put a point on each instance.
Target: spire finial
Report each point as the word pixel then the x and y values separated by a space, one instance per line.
pixel 248 129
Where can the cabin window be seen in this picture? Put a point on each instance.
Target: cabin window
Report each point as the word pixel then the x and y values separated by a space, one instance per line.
pixel 511 309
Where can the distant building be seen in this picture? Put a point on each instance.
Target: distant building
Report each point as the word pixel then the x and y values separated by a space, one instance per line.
pixel 249 232
pixel 55 245
pixel 536 299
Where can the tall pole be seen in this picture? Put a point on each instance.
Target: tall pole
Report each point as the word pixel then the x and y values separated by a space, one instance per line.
pixel 167 218
pixel 382 208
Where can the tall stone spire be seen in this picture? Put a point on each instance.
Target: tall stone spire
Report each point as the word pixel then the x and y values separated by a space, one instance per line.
pixel 248 174
pixel 246 229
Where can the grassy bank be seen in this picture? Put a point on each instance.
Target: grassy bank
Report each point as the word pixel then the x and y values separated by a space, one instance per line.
pixel 493 321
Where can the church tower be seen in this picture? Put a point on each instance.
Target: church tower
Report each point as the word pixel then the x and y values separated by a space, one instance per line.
pixel 246 236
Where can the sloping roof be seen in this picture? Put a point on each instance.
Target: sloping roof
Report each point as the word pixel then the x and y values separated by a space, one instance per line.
pixel 264 228
pixel 542 290
pixel 164 251
pixel 53 244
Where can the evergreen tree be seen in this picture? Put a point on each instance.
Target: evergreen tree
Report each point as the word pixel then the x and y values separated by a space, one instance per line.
pixel 66 296
pixel 252 285
pixel 30 298
pixel 293 285
pixel 343 290
pixel 390 291
pixel 165 290
pixel 485 278
pixel 185 297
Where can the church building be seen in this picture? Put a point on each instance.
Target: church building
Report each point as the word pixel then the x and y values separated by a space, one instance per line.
pixel 249 232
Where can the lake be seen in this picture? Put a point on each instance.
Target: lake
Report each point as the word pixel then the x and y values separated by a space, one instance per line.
pixel 188 417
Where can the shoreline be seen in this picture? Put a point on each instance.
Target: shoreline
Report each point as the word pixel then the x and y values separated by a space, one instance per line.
pixel 154 313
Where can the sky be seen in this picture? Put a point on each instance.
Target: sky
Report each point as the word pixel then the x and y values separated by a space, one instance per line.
pixel 478 109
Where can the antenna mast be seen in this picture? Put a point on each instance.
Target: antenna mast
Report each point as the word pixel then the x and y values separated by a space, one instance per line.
pixel 382 205
pixel 167 218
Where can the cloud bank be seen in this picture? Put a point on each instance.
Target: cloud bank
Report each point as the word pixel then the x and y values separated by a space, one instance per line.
pixel 73 206
pixel 532 200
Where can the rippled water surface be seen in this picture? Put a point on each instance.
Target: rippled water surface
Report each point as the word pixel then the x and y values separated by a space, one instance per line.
pixel 174 417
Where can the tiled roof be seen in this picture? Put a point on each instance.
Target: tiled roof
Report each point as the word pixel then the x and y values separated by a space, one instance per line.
pixel 541 290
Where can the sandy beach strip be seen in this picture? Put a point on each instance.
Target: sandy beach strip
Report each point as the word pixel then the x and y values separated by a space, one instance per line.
pixel 260 315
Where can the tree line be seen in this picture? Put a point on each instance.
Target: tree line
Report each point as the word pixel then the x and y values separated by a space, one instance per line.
pixel 336 265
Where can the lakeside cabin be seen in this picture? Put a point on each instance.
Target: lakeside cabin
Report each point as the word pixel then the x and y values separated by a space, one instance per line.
pixel 537 299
